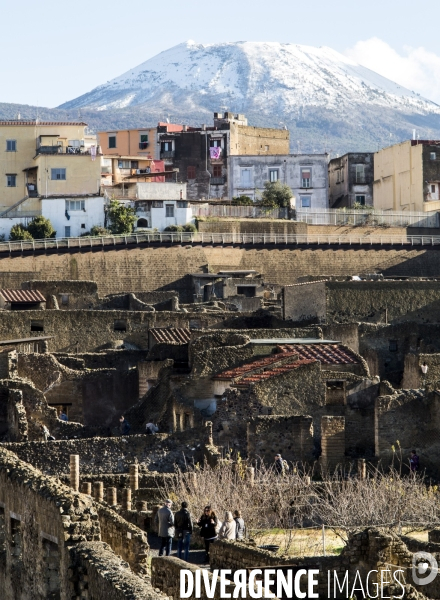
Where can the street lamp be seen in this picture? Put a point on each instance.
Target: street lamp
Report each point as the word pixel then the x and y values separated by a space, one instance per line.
pixel 424 368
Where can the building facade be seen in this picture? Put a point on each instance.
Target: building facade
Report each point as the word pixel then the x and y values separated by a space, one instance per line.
pixel 200 155
pixel 305 174
pixel 350 180
pixel 39 158
pixel 407 176
pixel 134 142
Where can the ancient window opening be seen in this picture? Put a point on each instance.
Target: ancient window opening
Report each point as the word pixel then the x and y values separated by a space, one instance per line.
pixel 393 346
pixel 120 325
pixel 433 156
pixel 186 421
pixel 246 290
pixel 37 326
pixel 335 392
pixel 16 543
pixel 65 299
pixel 51 570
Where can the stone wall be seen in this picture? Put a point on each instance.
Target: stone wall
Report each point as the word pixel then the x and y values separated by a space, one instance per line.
pixel 292 437
pixel 165 268
pixel 305 302
pixel 99 573
pixel 332 442
pixel 249 226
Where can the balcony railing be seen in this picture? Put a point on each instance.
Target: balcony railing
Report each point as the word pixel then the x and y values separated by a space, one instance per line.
pixel 218 180
pixel 64 150
pixel 167 154
pixel 143 145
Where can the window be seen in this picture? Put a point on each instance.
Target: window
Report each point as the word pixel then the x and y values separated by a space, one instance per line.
pixel 83 225
pixel 245 290
pixel 11 180
pixel 166 147
pixel 120 325
pixel 182 204
pixel 360 200
pixel 217 170
pixel 123 164
pixel 273 175
pixel 306 178
pixel 266 148
pixel 433 156
pixel 393 346
pixel 67 231
pixel 432 189
pixel 75 205
pixel 65 299
pixel 191 172
pixel 58 174
pixel 360 173
pixel 37 325
pixel 135 164
pixel 11 145
pixel 112 141
pixel 157 204
pixel 169 210
pixel 306 201
pixel 215 143
pixel 143 141
pixel 338 176
pixel 246 177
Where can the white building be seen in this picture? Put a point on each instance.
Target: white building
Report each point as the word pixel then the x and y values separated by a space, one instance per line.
pixel 305 174
pixel 159 214
pixel 73 216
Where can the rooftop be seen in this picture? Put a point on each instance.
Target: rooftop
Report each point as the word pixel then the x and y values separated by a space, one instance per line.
pixel 253 366
pixel 278 341
pixel 331 354
pixel 42 123
pixel 274 372
pixel 22 296
pixel 171 335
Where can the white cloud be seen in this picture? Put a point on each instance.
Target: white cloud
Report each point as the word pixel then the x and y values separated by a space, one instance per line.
pixel 416 68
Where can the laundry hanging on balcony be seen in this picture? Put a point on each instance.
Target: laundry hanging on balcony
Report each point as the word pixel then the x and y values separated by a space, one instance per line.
pixel 215 153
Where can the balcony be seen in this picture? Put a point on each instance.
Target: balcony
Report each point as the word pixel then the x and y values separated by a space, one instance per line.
pixel 143 145
pixel 218 180
pixel 167 154
pixel 64 150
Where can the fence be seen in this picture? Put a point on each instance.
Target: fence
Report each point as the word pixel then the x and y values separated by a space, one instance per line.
pixel 335 216
pixel 217 239
pixel 228 210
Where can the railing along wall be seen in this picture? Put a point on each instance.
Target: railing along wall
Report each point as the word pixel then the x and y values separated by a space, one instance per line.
pixel 217 239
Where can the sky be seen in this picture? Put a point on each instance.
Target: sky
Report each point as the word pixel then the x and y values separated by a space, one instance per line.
pixel 53 51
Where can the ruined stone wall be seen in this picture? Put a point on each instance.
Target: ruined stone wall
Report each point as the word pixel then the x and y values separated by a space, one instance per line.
pixel 99 573
pixel 305 302
pixel 126 540
pixel 292 437
pixel 111 455
pixel 41 519
pixel 249 226
pixel 165 268
pixel 69 294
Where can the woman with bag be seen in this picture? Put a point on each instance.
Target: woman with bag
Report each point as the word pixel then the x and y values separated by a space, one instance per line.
pixel 208 523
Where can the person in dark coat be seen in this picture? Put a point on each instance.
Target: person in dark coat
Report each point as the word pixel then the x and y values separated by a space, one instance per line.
pixel 124 426
pixel 208 523
pixel 184 529
pixel 165 527
pixel 414 462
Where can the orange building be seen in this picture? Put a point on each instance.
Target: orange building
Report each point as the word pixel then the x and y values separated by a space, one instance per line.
pixel 134 142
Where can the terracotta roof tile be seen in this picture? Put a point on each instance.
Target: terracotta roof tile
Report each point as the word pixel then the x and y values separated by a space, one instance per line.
pixel 252 366
pixel 327 354
pixel 23 296
pixel 171 335
pixel 274 372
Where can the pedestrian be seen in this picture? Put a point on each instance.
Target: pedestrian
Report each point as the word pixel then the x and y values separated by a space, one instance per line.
pixel 124 426
pixel 240 527
pixel 63 416
pixel 414 462
pixel 228 528
pixel 208 528
pixel 45 433
pixel 151 428
pixel 184 529
pixel 165 527
pixel 279 464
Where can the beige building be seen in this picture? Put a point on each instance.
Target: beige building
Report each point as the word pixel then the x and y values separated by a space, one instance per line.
pixel 407 176
pixel 46 159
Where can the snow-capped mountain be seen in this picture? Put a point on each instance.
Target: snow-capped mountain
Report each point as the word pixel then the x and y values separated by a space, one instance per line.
pixel 316 92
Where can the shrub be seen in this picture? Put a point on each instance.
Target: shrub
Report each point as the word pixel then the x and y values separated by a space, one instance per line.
pixel 122 217
pixel 276 194
pixel 242 201
pixel 190 227
pixel 41 228
pixel 18 232
pixel 174 228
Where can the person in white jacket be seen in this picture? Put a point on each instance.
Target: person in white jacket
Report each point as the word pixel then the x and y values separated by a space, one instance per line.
pixel 227 530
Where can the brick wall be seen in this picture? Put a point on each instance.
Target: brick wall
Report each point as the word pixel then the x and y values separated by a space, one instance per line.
pixel 332 441
pixel 165 268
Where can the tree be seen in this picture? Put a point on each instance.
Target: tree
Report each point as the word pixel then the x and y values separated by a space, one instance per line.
pixel 18 232
pixel 122 217
pixel 41 228
pixel 276 194
pixel 242 201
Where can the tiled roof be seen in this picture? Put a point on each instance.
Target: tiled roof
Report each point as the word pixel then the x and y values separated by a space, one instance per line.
pixel 171 335
pixel 252 366
pixel 23 296
pixel 41 123
pixel 327 354
pixel 274 371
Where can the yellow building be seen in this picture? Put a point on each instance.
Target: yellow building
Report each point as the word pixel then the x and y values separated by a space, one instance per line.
pixel 43 159
pixel 407 176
